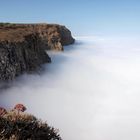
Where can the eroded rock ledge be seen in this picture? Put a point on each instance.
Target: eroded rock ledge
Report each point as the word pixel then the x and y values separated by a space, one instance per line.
pixel 23 46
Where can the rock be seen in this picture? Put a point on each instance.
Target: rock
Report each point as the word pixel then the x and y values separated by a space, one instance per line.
pixel 23 46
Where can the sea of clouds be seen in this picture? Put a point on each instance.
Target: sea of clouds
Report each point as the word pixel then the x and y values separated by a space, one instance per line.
pixel 91 91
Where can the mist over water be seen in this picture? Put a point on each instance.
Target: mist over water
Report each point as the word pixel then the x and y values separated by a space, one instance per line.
pixel 91 91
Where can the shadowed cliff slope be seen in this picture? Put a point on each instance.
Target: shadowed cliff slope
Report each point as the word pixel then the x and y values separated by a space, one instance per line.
pixel 23 46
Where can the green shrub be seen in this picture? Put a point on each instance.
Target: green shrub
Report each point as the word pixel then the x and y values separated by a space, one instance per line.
pixel 4 24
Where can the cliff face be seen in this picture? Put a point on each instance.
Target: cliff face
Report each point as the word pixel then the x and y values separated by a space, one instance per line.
pixel 23 46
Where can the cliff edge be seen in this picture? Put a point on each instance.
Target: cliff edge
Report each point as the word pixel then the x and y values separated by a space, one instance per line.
pixel 23 46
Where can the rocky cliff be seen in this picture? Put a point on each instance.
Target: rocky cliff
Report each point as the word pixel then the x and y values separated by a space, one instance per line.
pixel 23 46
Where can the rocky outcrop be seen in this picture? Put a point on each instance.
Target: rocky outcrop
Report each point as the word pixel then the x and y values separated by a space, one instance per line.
pixel 23 46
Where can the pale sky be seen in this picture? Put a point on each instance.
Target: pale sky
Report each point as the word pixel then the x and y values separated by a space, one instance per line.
pixel 82 17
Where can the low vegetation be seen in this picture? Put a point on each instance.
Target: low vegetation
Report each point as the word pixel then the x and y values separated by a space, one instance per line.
pixel 17 125
pixel 4 24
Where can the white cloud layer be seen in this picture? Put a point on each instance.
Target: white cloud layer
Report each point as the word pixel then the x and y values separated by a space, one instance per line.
pixel 91 91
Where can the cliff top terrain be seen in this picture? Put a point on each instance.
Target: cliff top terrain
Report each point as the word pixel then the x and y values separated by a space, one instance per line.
pixel 17 32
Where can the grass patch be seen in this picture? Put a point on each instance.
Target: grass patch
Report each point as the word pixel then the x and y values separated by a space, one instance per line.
pixel 15 125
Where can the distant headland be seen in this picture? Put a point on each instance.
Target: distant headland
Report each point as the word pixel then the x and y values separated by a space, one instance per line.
pixel 23 46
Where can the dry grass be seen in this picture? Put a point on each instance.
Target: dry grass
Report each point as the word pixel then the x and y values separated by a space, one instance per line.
pixel 17 32
pixel 23 126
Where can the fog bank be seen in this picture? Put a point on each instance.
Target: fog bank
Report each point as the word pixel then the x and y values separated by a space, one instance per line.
pixel 91 91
